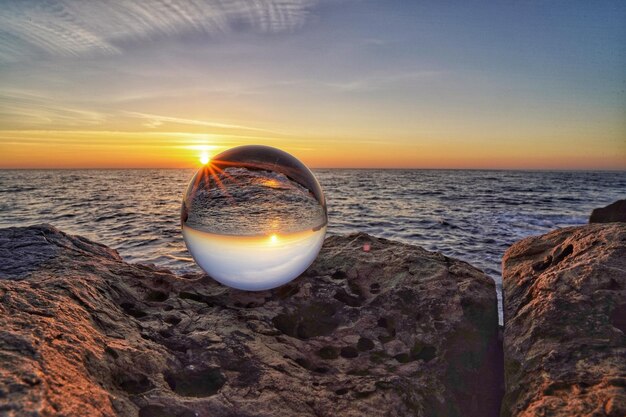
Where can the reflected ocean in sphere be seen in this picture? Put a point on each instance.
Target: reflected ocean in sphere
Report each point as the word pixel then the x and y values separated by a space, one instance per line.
pixel 254 218
pixel 252 203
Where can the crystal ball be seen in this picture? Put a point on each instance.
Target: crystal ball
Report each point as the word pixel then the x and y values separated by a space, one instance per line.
pixel 254 217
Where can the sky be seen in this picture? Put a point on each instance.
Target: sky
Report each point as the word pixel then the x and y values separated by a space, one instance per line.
pixel 533 84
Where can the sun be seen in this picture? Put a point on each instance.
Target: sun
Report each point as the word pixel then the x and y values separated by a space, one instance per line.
pixel 273 238
pixel 204 158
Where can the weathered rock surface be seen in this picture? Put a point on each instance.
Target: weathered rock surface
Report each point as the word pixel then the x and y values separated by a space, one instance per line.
pixel 565 323
pixel 393 331
pixel 614 212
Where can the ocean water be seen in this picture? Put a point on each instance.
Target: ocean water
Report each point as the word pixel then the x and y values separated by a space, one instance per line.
pixel 471 215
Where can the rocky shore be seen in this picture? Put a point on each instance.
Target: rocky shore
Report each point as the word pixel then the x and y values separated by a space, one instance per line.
pixel 393 330
pixel 565 323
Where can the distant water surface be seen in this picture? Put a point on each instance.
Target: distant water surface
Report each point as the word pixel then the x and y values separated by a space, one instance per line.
pixel 471 215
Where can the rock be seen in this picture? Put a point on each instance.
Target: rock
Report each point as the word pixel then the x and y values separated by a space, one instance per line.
pixel 565 323
pixel 395 330
pixel 614 212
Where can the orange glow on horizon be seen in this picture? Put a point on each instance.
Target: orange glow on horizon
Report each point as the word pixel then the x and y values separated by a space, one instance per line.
pixel 114 149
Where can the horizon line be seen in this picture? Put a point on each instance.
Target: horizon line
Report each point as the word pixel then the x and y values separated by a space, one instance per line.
pixel 547 169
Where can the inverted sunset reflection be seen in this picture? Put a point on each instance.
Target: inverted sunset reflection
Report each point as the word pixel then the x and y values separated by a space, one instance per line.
pixel 254 263
pixel 254 217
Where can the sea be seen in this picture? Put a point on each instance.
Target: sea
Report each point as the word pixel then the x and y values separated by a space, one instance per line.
pixel 473 215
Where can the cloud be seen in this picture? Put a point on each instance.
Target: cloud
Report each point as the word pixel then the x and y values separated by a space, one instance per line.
pixel 28 108
pixel 153 121
pixel 74 27
pixel 384 81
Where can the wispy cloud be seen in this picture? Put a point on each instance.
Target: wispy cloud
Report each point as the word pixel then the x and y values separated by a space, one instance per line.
pixel 383 80
pixel 153 121
pixel 23 107
pixel 73 27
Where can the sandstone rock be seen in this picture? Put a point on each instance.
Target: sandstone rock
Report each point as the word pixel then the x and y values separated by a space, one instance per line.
pixel 565 323
pixel 614 212
pixel 394 331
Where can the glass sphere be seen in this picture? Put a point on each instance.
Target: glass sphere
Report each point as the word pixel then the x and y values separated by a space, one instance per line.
pixel 254 217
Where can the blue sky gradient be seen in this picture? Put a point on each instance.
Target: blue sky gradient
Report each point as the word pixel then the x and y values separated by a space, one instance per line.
pixel 527 84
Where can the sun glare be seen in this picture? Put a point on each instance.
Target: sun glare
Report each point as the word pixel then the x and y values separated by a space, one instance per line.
pixel 273 238
pixel 204 158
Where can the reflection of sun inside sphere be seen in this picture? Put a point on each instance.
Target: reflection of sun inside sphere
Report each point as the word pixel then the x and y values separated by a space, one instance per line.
pixel 254 217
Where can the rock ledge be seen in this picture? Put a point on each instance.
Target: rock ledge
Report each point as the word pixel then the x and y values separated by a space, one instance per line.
pixel 395 330
pixel 565 323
